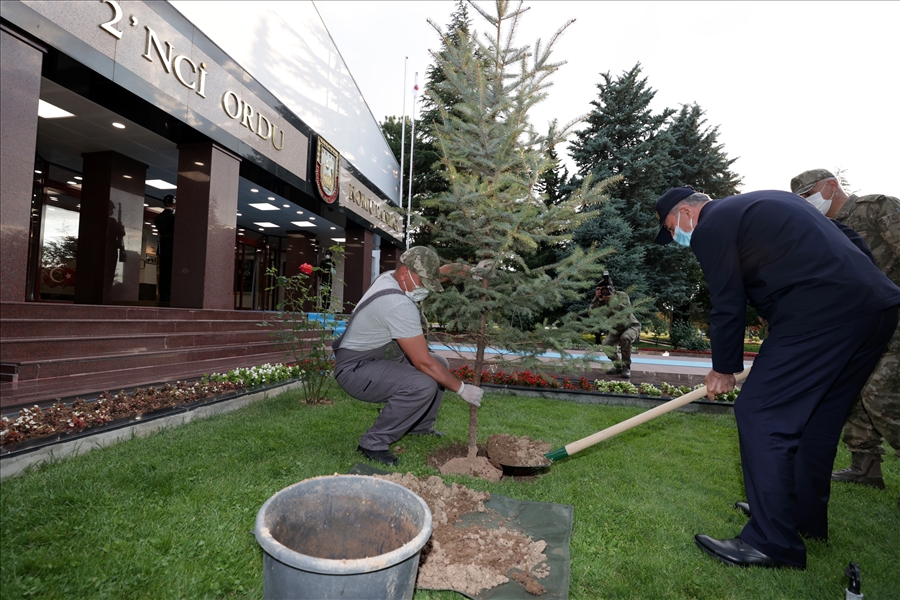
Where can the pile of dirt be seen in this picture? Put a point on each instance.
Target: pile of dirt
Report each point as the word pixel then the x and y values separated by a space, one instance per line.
pixel 471 558
pixel 518 451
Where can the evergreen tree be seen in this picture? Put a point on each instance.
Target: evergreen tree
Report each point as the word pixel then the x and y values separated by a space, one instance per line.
pixel 625 138
pixel 494 160
pixel 698 159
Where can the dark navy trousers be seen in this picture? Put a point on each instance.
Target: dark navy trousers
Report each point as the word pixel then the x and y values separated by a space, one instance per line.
pixel 790 413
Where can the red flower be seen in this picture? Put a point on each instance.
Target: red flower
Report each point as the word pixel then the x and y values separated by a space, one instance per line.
pixel 306 269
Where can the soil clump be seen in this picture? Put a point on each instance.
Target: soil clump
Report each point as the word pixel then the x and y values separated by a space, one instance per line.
pixel 518 451
pixel 471 558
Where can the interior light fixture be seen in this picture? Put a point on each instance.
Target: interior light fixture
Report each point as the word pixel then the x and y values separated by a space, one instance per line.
pixel 240 215
pixel 303 224
pixel 77 178
pixel 333 228
pixel 39 172
pixel 254 190
pixel 199 164
pixel 48 111
pixel 299 212
pixel 271 197
pixel 264 207
pixel 266 224
pixel 118 126
pixel 160 184
pixel 312 218
pixel 340 240
pixel 76 183
pixel 145 204
pixel 125 176
pixel 286 205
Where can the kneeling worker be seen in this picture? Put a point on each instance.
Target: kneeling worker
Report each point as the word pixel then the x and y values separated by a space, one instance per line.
pixel 383 356
pixel 623 334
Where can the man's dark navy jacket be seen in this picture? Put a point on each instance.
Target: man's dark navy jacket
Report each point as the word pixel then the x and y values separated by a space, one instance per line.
pixel 773 250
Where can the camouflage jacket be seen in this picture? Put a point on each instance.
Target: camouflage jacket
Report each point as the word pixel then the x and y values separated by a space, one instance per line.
pixel 618 302
pixel 877 219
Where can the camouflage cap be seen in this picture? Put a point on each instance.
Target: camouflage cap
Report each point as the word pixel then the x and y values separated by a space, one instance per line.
pixel 807 180
pixel 425 263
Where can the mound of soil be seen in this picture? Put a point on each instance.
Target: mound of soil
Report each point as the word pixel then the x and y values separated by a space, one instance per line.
pixel 471 558
pixel 518 451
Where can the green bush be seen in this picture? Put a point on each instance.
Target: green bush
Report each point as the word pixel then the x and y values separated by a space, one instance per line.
pixel 687 336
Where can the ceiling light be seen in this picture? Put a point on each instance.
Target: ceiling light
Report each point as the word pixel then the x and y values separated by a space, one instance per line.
pixel 38 171
pixel 125 176
pixel 299 212
pixel 118 126
pixel 145 204
pixel 54 198
pixel 339 239
pixel 48 111
pixel 312 218
pixel 199 164
pixel 77 178
pixel 303 224
pixel 146 222
pixel 240 230
pixel 160 184
pixel 240 215
pixel 271 197
pixel 154 233
pixel 334 227
pixel 264 207
pixel 266 224
pixel 254 190
pixel 76 183
pixel 286 205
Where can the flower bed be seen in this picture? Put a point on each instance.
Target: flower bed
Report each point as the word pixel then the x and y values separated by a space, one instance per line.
pixel 535 380
pixel 35 422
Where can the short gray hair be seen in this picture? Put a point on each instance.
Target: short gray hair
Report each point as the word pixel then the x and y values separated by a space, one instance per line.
pixel 692 200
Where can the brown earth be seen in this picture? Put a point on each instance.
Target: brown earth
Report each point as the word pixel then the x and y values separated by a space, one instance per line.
pixel 518 451
pixel 471 558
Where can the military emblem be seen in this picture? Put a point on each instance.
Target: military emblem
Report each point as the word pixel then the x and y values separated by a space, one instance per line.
pixel 328 163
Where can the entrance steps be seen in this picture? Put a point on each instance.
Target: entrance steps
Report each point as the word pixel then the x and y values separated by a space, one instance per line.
pixel 51 351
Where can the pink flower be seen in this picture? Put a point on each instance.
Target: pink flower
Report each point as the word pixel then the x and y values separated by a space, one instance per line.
pixel 306 269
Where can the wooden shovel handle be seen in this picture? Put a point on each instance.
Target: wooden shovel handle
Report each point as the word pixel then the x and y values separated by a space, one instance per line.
pixel 645 416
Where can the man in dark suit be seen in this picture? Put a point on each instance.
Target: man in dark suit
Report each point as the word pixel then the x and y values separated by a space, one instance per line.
pixel 831 313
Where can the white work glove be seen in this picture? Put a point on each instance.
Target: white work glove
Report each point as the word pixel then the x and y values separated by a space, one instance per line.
pixel 470 393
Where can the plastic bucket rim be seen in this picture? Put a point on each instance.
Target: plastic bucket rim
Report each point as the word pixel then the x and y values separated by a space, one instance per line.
pixel 331 566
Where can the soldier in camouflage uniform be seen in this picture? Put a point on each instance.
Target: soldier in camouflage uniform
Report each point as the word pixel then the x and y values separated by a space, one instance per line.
pixel 876 414
pixel 623 334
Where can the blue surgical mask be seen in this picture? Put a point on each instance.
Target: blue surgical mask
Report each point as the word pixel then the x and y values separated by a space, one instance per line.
pixel 681 236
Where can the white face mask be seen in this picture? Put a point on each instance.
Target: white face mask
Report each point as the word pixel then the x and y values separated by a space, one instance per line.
pixel 418 294
pixel 819 202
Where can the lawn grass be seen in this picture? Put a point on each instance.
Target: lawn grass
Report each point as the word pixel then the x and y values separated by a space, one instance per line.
pixel 172 515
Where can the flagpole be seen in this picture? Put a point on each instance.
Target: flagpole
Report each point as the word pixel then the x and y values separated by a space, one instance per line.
pixel 403 143
pixel 412 145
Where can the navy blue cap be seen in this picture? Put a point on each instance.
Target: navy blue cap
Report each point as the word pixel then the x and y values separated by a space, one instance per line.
pixel 664 206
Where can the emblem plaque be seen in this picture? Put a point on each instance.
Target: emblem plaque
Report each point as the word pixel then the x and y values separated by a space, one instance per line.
pixel 328 163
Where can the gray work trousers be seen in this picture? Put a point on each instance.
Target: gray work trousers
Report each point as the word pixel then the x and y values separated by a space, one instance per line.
pixel 385 375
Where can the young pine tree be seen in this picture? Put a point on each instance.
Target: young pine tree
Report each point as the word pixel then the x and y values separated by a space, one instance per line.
pixel 494 160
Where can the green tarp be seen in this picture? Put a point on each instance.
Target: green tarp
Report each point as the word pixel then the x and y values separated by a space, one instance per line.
pixel 539 521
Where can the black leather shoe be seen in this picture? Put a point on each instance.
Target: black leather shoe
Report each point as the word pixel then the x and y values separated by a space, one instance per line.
pixel 432 432
pixel 736 552
pixel 743 507
pixel 385 457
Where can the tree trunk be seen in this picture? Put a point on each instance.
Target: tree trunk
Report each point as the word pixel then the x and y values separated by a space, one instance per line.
pixel 480 344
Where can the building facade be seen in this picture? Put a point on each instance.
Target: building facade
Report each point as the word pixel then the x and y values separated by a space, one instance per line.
pixel 250 120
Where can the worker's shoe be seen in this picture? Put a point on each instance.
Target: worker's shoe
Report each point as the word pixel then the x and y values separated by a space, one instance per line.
pixel 385 457
pixel 614 371
pixel 736 552
pixel 743 507
pixel 626 372
pixel 864 469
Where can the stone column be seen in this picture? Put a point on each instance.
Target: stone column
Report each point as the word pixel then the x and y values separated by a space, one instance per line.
pixel 20 80
pixel 357 264
pixel 205 227
pixel 110 227
pixel 301 249
pixel 390 256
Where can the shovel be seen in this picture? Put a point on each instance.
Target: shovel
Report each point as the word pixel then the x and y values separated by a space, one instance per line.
pixel 570 449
